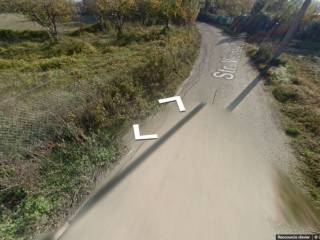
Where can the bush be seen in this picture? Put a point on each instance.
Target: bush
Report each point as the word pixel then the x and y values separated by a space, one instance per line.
pixel 292 132
pixel 18 36
pixel 164 64
pixel 55 63
pixel 311 122
pixel 279 75
pixel 285 93
pixel 69 47
pixel 94 28
pixel 312 32
pixel 140 36
pixel 154 74
pixel 28 212
pixel 264 54
pixel 11 197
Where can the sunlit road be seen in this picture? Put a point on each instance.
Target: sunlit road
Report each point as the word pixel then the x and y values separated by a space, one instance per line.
pixel 212 178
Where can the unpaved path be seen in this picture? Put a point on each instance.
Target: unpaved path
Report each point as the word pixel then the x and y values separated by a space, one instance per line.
pixel 211 177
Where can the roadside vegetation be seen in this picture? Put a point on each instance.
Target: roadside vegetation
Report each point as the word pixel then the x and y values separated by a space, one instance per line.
pixel 293 79
pixel 295 84
pixel 67 97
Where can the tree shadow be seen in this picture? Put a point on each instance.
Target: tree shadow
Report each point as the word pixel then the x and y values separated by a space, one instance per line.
pixel 240 98
pixel 107 188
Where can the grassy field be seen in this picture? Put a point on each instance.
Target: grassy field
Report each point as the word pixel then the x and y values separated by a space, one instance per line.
pixel 16 22
pixel 295 84
pixel 63 107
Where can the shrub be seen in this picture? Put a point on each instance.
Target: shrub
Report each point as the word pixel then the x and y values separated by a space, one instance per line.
pixel 140 36
pixel 94 28
pixel 11 197
pixel 18 36
pixel 110 109
pixel 264 54
pixel 154 74
pixel 311 121
pixel 69 47
pixel 285 93
pixel 279 75
pixel 292 132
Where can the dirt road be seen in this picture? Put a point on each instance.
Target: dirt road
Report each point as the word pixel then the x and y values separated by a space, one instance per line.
pixel 211 175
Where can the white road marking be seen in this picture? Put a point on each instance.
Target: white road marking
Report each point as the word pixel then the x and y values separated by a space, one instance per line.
pixel 174 99
pixel 138 136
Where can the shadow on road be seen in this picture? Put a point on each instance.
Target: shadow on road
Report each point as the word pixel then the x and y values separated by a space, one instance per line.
pixel 236 102
pixel 140 159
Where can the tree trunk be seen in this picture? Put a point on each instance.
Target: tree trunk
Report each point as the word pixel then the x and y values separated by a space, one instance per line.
pixel 55 31
pixel 207 6
pixel 53 36
pixel 292 30
pixel 119 25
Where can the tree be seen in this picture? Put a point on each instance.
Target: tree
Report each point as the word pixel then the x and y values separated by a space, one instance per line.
pixel 234 7
pixel 145 11
pixel 311 14
pixel 88 7
pixel 189 10
pixel 207 5
pixel 293 28
pixel 258 6
pixel 116 11
pixel 169 10
pixel 47 13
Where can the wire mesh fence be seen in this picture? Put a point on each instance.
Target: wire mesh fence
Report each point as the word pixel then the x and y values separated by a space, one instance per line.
pixel 29 117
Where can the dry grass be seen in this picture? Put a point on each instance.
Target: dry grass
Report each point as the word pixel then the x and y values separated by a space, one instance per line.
pixel 296 85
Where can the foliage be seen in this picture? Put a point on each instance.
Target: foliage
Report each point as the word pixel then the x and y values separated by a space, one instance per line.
pixel 116 11
pixel 285 94
pixel 292 132
pixel 91 87
pixel 146 11
pixel 18 36
pixel 234 7
pixel 311 32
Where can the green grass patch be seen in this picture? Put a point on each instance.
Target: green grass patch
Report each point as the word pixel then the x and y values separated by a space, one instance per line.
pixel 292 132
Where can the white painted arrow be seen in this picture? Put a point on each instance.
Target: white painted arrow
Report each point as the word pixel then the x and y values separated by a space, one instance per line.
pixel 174 99
pixel 138 136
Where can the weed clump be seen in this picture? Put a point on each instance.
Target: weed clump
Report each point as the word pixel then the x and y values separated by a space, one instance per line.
pixel 285 93
pixel 69 47
pixel 263 54
pixel 292 132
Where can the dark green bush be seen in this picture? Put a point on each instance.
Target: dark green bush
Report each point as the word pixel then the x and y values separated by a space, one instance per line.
pixel 264 54
pixel 292 132
pixel 18 36
pixel 11 197
pixel 94 28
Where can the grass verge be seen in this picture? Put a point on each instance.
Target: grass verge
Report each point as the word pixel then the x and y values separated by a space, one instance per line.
pixel 63 106
pixel 294 81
